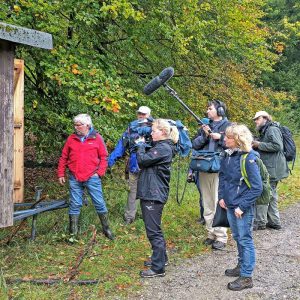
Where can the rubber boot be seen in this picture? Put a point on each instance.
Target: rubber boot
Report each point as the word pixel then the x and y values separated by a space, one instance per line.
pixel 105 227
pixel 73 229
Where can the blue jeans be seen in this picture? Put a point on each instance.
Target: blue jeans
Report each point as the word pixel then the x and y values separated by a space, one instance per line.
pixel 94 188
pixel 242 233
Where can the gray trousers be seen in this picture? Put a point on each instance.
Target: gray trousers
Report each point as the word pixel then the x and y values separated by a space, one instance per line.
pixel 269 213
pixel 209 183
pixel 131 208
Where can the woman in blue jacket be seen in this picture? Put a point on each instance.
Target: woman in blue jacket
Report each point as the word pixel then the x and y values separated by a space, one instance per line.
pixel 153 190
pixel 239 200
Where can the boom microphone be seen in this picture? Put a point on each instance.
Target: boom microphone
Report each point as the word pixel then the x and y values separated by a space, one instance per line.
pixel 159 80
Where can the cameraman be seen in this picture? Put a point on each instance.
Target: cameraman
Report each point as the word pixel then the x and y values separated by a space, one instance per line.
pixel 136 128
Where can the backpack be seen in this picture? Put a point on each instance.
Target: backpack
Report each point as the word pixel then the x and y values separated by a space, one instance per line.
pixel 289 146
pixel 264 198
pixel 139 128
pixel 184 144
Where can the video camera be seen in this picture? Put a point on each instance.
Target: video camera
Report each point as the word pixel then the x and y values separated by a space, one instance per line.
pixel 136 130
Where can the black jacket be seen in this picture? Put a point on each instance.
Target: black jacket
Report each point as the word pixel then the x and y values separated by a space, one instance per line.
pixel 155 165
pixel 202 142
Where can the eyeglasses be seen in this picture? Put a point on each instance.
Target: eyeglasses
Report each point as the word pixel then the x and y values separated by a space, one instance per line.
pixel 79 125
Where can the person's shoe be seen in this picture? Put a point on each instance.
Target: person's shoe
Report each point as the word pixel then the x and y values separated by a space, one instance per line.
pixel 151 274
pixel 148 263
pixel 240 283
pixel 273 226
pixel 235 272
pixel 217 245
pixel 105 226
pixel 259 227
pixel 208 242
pixel 128 221
pixel 201 221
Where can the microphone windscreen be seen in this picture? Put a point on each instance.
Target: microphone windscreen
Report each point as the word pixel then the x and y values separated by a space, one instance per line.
pixel 152 86
pixel 166 74
pixel 159 80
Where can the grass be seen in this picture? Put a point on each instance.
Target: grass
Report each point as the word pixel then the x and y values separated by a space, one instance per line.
pixel 115 264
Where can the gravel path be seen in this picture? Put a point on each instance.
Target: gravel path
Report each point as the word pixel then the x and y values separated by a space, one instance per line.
pixel 277 272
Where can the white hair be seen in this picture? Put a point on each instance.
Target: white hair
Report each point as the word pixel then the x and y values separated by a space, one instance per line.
pixel 242 136
pixel 83 119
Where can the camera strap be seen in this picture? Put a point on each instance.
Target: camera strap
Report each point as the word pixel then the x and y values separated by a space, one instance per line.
pixel 180 199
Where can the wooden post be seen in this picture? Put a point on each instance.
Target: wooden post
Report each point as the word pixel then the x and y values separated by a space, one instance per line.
pixel 18 131
pixel 7 132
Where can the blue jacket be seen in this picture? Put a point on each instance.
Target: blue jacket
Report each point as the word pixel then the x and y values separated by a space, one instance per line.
pixel 232 187
pixel 126 142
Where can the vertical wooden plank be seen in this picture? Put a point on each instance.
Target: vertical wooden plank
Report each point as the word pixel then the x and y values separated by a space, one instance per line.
pixel 18 174
pixel 7 131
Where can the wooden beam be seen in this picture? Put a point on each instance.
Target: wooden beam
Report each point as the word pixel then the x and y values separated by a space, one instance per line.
pixel 18 131
pixel 26 36
pixel 7 132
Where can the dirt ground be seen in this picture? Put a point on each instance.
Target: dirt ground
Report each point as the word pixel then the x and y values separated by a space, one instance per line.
pixel 276 276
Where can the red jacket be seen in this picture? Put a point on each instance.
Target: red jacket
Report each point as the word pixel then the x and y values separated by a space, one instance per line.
pixel 83 159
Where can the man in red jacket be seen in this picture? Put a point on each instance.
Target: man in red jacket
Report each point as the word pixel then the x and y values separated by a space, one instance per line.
pixel 85 155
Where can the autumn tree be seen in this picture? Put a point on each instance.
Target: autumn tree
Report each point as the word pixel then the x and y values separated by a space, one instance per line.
pixel 106 51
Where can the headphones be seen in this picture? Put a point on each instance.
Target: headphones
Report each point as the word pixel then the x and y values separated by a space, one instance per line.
pixel 220 107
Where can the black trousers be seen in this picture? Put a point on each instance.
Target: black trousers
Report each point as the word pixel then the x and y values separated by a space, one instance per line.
pixel 152 213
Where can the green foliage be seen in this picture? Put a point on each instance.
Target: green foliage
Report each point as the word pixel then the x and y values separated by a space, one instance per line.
pixel 283 19
pixel 104 52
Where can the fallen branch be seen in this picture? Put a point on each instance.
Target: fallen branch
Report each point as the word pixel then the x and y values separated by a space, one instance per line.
pixel 52 281
pixel 74 270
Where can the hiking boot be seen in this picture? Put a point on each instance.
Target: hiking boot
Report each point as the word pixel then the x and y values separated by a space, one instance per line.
pixel 217 245
pixel 201 221
pixel 148 263
pixel 273 226
pixel 259 227
pixel 151 274
pixel 208 242
pixel 105 227
pixel 235 272
pixel 128 221
pixel 240 283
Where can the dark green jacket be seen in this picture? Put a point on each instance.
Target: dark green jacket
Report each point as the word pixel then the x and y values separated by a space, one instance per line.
pixel 271 151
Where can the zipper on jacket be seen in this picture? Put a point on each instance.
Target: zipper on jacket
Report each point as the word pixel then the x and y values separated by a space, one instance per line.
pixel 238 188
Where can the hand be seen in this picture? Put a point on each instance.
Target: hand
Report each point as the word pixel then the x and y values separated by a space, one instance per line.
pixel 140 140
pixel 222 204
pixel 255 144
pixel 206 129
pixel 238 213
pixel 215 135
pixel 62 180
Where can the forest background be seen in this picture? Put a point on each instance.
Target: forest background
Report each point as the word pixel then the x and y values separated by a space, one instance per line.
pixel 243 52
